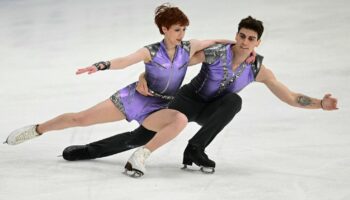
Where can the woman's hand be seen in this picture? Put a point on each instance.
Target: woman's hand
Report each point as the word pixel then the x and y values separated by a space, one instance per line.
pixel 90 70
pixel 142 87
pixel 251 58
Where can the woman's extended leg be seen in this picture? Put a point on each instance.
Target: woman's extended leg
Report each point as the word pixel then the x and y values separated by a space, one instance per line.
pixel 100 113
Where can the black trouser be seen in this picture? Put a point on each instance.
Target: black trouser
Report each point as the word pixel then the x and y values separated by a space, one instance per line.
pixel 213 116
pixel 119 143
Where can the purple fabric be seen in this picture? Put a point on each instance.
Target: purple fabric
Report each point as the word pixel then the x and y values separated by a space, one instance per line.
pixel 134 105
pixel 163 77
pixel 245 79
pixel 216 72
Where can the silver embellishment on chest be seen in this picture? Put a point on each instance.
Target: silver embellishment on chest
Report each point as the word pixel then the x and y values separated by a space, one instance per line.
pixel 225 84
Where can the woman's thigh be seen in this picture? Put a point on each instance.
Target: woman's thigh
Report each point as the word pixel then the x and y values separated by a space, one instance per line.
pixel 158 120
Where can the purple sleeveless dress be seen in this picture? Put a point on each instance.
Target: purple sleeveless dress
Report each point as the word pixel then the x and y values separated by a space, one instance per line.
pixel 164 77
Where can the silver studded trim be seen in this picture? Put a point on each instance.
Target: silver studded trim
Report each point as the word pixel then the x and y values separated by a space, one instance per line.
pixel 222 86
pixel 214 52
pixel 115 98
pixel 162 96
pixel 153 49
pixel 225 83
pixel 187 46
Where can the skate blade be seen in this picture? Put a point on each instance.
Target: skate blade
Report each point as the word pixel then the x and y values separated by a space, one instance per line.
pixel 131 172
pixel 6 141
pixel 207 170
pixel 204 170
pixel 185 168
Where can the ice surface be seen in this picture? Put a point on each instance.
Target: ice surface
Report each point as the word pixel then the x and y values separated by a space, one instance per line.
pixel 270 151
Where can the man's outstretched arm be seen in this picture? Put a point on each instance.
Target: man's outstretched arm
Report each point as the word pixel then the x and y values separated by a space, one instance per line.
pixel 267 77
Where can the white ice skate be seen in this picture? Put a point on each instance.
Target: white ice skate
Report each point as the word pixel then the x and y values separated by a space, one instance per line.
pixel 135 167
pixel 22 134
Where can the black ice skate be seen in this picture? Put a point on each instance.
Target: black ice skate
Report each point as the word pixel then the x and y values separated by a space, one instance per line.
pixel 196 155
pixel 76 152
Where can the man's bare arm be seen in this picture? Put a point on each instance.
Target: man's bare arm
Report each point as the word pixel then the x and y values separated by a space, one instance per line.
pixel 267 77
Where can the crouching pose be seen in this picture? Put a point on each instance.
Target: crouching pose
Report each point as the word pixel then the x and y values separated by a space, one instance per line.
pixel 223 74
pixel 210 99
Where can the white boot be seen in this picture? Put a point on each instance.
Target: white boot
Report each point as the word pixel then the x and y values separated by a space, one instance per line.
pixel 22 134
pixel 135 167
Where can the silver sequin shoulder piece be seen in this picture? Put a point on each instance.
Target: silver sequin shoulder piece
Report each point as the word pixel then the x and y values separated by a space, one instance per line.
pixel 153 49
pixel 257 64
pixel 186 45
pixel 214 52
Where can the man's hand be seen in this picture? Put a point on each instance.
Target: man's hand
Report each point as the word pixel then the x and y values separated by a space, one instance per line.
pixel 329 103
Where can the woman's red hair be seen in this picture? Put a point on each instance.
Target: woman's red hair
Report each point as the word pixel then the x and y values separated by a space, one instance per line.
pixel 166 16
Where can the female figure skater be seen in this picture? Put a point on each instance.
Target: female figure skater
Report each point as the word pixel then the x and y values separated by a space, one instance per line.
pixel 166 63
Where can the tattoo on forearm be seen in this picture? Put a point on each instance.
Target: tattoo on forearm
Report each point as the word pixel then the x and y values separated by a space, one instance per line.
pixel 304 101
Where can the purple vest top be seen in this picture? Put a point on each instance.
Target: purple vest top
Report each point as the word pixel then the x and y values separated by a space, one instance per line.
pixel 216 77
pixel 163 76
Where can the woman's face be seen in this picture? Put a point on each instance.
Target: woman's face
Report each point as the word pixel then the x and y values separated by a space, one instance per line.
pixel 175 33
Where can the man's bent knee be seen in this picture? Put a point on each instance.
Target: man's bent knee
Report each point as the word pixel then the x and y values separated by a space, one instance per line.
pixel 234 100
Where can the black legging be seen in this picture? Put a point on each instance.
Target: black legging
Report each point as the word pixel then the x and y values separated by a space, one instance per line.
pixel 213 116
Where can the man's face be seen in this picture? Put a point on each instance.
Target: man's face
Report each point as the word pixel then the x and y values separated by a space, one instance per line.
pixel 247 40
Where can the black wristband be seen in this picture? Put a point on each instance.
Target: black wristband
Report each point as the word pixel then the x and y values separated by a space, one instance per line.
pixel 322 104
pixel 102 65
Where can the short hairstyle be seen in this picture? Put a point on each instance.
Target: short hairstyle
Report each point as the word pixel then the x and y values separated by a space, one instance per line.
pixel 252 24
pixel 167 15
